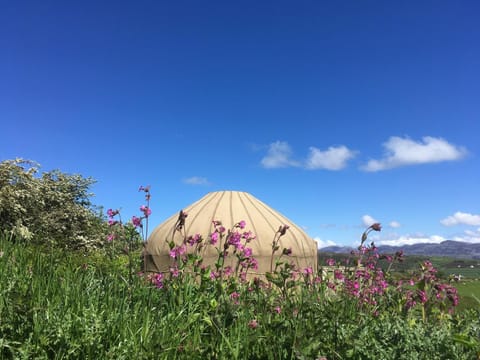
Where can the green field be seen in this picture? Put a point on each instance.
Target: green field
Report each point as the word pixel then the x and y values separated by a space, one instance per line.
pixel 469 291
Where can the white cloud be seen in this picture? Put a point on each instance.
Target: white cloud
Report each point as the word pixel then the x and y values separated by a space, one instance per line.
pixel 394 224
pixel 410 240
pixel 324 243
pixel 471 236
pixel 278 156
pixel 461 218
pixel 335 158
pixel 196 180
pixel 368 220
pixel 404 151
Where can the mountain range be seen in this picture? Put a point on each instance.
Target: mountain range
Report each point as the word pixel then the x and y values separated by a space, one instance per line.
pixel 448 248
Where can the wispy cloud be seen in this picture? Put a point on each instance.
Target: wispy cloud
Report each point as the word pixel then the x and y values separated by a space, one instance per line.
pixel 404 151
pixel 279 155
pixel 471 236
pixel 334 158
pixel 461 218
pixel 410 240
pixel 367 220
pixel 324 243
pixel 196 180
pixel 394 224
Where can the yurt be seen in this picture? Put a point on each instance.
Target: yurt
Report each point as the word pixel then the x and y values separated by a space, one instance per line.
pixel 231 207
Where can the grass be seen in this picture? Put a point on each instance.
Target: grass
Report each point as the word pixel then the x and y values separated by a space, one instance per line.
pixel 469 291
pixel 63 305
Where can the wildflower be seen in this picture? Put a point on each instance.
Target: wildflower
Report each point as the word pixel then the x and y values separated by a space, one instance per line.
pixel 174 272
pixel 146 210
pixel 253 263
pixel 247 252
pixel 111 213
pixel 228 271
pixel 330 262
pixel 242 224
pixel 253 324
pixel 376 227
pixel 137 222
pixel 234 297
pixel 181 220
pixel 213 238
pixel 308 270
pixel 112 222
pixel 282 230
pixel 278 309
pixel 110 237
pixel 248 236
pixel 287 252
pixel 399 255
pixel 144 188
pixel 158 280
pixel 338 275
pixel 422 296
pixel 195 239
pixel 234 239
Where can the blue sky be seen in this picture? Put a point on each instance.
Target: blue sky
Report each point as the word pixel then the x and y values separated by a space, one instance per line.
pixel 334 113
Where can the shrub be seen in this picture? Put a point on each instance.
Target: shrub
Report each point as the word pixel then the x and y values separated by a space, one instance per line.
pixel 51 208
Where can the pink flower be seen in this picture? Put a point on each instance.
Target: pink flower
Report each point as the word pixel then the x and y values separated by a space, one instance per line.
pixel 174 271
pixel 158 280
pixel 248 236
pixel 330 262
pixel 112 222
pixel 137 222
pixel 338 275
pixel 247 252
pixel 278 309
pixel 253 324
pixel 242 224
pixel 110 237
pixel 111 213
pixel 213 238
pixel 423 296
pixel 146 210
pixel 308 270
pixel 234 296
pixel 228 271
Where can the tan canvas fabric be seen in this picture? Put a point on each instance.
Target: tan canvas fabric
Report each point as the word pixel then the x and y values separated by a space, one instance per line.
pixel 230 207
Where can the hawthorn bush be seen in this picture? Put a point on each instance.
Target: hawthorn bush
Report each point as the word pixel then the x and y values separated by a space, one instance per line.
pixel 49 208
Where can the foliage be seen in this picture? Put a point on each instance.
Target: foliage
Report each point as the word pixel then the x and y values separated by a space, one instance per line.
pixel 51 208
pixel 66 305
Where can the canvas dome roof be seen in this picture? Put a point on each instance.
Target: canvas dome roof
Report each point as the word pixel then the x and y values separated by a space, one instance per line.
pixel 230 207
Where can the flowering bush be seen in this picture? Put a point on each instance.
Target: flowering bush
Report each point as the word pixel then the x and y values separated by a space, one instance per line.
pixel 52 208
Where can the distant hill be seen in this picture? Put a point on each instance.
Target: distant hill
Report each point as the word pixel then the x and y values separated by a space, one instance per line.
pixel 449 248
